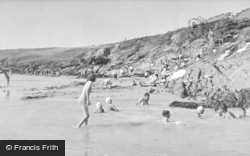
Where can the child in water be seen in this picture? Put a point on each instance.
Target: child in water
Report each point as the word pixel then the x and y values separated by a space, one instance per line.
pixel 111 107
pixel 225 113
pixel 166 114
pixel 200 110
pixel 144 100
pixel 99 108
pixel 84 99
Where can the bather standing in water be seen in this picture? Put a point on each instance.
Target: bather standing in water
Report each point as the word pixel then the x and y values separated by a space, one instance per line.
pixel 7 78
pixel 84 99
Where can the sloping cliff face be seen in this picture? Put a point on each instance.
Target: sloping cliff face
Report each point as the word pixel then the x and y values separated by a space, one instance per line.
pixel 225 46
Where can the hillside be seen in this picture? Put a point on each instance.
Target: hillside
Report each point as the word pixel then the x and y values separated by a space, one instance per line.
pixel 225 44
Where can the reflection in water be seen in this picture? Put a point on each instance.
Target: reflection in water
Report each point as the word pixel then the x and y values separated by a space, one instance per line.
pixel 7 95
pixel 86 140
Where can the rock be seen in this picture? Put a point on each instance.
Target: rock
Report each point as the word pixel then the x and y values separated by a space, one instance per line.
pixel 34 97
pixel 190 105
pixel 72 84
pixel 151 90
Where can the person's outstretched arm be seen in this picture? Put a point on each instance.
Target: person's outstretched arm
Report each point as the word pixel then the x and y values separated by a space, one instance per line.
pixel 115 108
pixel 139 101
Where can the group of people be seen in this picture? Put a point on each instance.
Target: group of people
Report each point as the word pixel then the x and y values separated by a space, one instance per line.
pixel 84 101
pixel 111 107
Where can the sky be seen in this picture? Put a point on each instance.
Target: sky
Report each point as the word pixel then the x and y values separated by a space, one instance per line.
pixel 79 23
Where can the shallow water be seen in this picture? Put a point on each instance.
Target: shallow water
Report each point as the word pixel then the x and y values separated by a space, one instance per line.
pixel 135 130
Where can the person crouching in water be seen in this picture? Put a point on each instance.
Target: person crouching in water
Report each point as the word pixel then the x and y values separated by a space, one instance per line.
pixel 106 83
pixel 144 100
pixel 166 114
pixel 225 113
pixel 84 99
pixel 99 108
pixel 111 107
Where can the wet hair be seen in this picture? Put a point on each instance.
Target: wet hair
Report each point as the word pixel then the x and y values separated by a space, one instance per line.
pixel 146 94
pixel 165 113
pixel 91 77
pixel 223 107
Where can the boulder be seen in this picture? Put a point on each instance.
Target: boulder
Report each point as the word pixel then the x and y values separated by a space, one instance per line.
pixel 182 104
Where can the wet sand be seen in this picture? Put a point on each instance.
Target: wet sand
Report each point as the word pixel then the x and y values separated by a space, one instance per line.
pixel 135 130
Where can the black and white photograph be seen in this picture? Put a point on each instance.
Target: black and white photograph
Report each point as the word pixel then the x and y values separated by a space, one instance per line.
pixel 124 77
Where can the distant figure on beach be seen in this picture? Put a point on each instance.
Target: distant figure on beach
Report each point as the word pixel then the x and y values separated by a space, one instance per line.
pixel 106 83
pixel 146 74
pixel 7 78
pixel 99 108
pixel 200 111
pixel 243 102
pixel 131 69
pixel 111 107
pixel 166 114
pixel 144 100
pixel 223 112
pixel 122 72
pixel 84 99
pixel 115 76
pixel 133 83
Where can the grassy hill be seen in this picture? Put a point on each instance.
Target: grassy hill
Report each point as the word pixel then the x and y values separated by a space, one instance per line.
pixel 229 36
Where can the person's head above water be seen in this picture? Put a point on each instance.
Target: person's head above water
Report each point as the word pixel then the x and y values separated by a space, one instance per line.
pixel 98 105
pixel 108 100
pixel 146 95
pixel 200 110
pixel 166 113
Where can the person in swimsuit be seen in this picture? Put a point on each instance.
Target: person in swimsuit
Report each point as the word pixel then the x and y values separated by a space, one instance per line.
pixel 144 100
pixel 84 99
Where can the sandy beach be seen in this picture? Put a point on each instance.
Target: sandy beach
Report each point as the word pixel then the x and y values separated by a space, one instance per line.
pixel 135 130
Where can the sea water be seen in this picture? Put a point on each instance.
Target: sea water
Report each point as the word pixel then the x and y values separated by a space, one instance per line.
pixel 135 130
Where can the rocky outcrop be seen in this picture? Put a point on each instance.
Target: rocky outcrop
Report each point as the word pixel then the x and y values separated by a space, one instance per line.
pixel 213 54
pixel 182 104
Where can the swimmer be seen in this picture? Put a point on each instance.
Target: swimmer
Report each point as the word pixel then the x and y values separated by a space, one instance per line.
pixel 99 108
pixel 84 99
pixel 144 100
pixel 106 83
pixel 200 110
pixel 225 113
pixel 166 114
pixel 111 107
